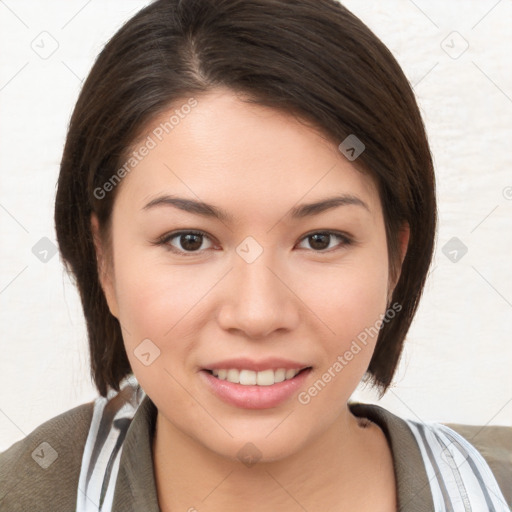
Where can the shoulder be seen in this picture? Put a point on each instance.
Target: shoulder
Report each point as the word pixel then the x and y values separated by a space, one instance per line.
pixel 41 471
pixel 457 470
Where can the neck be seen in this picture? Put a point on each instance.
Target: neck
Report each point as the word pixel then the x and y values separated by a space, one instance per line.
pixel 331 473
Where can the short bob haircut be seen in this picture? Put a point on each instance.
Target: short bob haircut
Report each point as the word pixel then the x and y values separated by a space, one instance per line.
pixel 312 59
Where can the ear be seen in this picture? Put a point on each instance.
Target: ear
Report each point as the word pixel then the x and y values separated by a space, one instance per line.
pixel 403 237
pixel 105 272
pixel 403 242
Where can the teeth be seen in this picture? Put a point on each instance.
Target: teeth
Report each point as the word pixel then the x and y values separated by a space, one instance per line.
pixel 250 378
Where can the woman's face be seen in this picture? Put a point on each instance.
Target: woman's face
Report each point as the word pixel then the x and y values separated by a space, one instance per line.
pixel 267 284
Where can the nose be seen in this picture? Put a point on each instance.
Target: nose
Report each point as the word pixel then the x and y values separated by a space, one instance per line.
pixel 258 300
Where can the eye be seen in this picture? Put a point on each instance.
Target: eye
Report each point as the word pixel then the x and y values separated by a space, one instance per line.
pixel 320 241
pixel 187 243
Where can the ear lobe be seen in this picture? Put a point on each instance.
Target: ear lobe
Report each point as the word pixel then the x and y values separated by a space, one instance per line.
pixel 104 268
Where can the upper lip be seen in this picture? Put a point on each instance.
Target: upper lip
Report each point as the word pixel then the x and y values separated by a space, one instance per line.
pixel 271 363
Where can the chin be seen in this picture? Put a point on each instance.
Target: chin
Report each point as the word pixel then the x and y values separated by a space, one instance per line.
pixel 261 444
pixel 253 451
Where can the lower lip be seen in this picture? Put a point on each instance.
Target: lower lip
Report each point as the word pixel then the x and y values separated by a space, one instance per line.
pixel 255 397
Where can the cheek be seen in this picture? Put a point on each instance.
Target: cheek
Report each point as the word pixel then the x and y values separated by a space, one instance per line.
pixel 152 299
pixel 159 315
pixel 350 305
pixel 348 297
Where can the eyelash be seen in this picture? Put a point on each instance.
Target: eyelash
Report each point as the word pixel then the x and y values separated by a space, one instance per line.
pixel 165 239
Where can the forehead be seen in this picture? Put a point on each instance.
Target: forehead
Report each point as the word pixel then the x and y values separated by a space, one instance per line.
pixel 226 150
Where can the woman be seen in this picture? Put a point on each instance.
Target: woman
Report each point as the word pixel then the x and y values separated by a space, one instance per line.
pixel 247 203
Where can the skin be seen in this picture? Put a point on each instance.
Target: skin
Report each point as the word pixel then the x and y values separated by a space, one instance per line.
pixel 294 301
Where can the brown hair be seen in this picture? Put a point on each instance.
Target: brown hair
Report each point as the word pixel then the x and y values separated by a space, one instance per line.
pixel 311 58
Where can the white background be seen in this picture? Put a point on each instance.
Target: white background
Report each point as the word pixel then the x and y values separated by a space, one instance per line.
pixel 458 357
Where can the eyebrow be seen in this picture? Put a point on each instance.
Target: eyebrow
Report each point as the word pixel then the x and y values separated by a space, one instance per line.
pixel 297 212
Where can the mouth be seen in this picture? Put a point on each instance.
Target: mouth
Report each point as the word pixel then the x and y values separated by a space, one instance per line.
pixel 247 377
pixel 250 389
